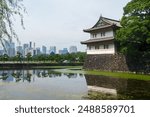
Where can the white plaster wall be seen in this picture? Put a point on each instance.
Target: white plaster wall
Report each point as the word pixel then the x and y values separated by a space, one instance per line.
pixel 92 47
pixel 107 34
pixel 111 46
pixel 101 47
pixel 110 50
pixel 101 51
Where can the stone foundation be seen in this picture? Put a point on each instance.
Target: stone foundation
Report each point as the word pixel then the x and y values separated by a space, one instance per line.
pixel 117 62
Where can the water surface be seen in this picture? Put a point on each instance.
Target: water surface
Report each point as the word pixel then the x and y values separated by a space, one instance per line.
pixel 51 85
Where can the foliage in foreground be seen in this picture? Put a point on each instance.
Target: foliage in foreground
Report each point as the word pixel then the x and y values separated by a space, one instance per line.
pixel 134 36
pixel 9 8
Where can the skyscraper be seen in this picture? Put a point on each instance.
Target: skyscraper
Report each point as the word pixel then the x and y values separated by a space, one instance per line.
pixel 25 52
pixel 38 51
pixel 30 45
pixel 10 48
pixel 64 51
pixel 73 49
pixel 52 50
pixel 19 49
pixel 44 50
pixel 25 49
pixel 25 46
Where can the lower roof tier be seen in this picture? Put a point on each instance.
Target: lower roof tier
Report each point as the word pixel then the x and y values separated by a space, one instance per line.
pixel 97 40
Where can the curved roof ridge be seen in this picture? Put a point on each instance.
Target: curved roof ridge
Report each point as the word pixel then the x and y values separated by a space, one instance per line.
pixel 110 19
pixel 104 22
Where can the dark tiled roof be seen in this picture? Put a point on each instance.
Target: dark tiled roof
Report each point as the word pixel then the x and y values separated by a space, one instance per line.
pixel 104 23
pixel 112 21
pixel 96 28
pixel 97 40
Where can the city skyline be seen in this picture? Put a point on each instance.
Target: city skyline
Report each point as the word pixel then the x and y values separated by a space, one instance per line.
pixel 11 49
pixel 61 22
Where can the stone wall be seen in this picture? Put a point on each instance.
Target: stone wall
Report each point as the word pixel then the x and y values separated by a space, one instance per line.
pixel 117 62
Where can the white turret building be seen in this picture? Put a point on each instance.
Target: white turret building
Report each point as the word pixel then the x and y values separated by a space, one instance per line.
pixel 102 36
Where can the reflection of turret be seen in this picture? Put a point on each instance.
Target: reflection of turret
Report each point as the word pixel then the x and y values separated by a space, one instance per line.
pixel 135 89
pixel 106 82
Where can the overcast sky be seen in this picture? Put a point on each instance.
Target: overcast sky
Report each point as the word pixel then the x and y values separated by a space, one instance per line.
pixel 60 23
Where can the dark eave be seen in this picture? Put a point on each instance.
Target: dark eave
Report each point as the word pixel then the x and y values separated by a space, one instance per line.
pixel 97 28
pixel 97 40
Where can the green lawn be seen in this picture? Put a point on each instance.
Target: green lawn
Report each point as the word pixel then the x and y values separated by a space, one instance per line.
pixel 120 75
pixel 104 73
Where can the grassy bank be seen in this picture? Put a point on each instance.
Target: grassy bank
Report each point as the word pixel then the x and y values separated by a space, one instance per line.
pixel 105 73
pixel 120 75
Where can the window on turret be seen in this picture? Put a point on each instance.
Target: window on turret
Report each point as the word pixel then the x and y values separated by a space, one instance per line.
pixel 96 47
pixel 94 35
pixel 106 46
pixel 88 47
pixel 102 34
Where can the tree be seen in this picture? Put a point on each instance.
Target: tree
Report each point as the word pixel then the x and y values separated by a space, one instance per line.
pixel 29 57
pixel 5 57
pixel 81 56
pixel 42 57
pixel 134 36
pixel 9 8
pixel 19 57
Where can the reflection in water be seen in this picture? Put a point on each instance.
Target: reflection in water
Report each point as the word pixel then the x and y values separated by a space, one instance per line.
pixel 28 75
pixel 49 84
pixel 41 84
pixel 71 75
pixel 128 88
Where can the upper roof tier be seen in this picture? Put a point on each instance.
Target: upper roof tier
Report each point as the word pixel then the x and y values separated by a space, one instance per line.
pixel 104 23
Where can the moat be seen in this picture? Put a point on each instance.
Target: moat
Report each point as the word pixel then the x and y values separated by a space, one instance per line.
pixel 51 84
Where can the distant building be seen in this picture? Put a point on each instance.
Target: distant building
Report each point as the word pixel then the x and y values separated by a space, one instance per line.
pixel 25 49
pixel 59 51
pixel 34 52
pixel 19 49
pixel 52 50
pixel 64 51
pixel 38 51
pixel 25 52
pixel 73 49
pixel 44 49
pixel 30 46
pixel 25 46
pixel 10 48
